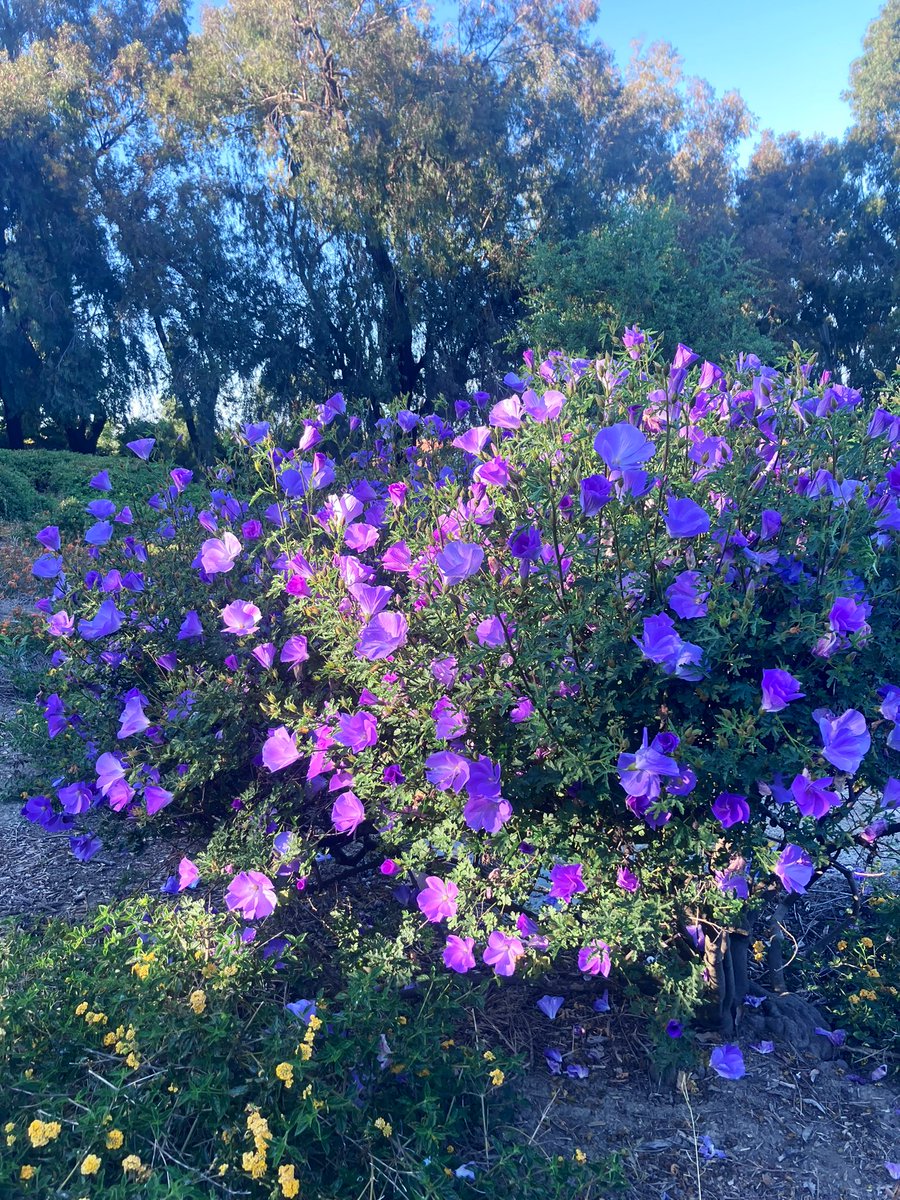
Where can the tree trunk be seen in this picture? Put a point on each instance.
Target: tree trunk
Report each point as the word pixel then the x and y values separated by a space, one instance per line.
pixel 15 429
pixel 399 328
pixel 83 436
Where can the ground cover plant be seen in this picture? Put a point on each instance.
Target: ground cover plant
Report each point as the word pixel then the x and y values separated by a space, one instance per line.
pixel 595 672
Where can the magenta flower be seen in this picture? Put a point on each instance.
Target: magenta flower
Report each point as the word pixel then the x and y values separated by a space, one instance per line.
pixel 264 655
pixel 251 894
pixel 506 414
pixel 521 711
pixel 458 954
pixel 458 561
pixel 502 953
pixel 490 633
pixel 543 408
pixel 356 732
pixel 623 447
pixel 493 473
pixel 595 959
pixel 438 899
pixel 347 813
pixel 794 868
pixel 473 441
pixel 280 749
pixel 728 1062
pixel 811 796
pixel 383 635
pixel 566 882
pixel 686 519
pixel 240 617
pixel 779 688
pixel 217 555
pixel 729 809
pixel 845 739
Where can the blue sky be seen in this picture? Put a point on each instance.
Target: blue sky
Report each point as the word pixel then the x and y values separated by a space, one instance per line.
pixel 789 59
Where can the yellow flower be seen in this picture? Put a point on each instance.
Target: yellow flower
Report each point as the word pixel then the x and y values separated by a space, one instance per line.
pixel 132 1060
pixel 8 1127
pixel 842 945
pixel 91 1165
pixel 114 1139
pixel 867 943
pixel 489 1056
pixel 305 1051
pixel 131 1162
pixel 285 1072
pixel 42 1132
pixel 497 1077
pixel 447 1043
pixel 254 1164
pixel 401 1020
pixel 580 1156
pixel 110 1039
pixel 853 999
pixel 290 1184
pixel 81 1009
pixel 385 1126
pixel 873 974
pixel 197 1000
pixel 10 1139
pixel 223 1169
pixel 27 1171
pixel 141 970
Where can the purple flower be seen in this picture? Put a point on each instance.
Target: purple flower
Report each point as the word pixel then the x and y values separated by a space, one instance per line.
pixel 489 813
pixel 521 711
pixel 371 600
pixel 493 473
pixel 49 537
pixel 732 881
pixel 490 632
pixel 525 543
pixel 251 894
pixel 447 770
pixel 438 899
pixel 449 722
pixel 458 954
pixel 601 1004
pixel 506 414
pixel 837 1037
pixel 101 482
pixel 543 408
pixel 156 797
pixel 188 875
pixel 382 636
pixel 142 447
pixel 347 813
pixel 280 749
pixel 550 1005
pixel 61 625
pixel 848 617
pixel 240 617
pixel 623 447
pixel 662 644
pixel 763 1047
pixel 190 627
pixel 502 953
pixel 553 1059
pixel 627 880
pixel 357 732
pixel 674 1029
pixel 473 441
pixel 595 492
pixel 779 688
pixel 132 719
pixel 730 809
pixel 48 566
pixel 686 518
pixel 217 555
pixel 794 868
pixel 85 847
pixel 294 650
pixel 845 739
pixel 566 882
pixel 686 599
pixel 458 561
pixel 303 1010
pixel 595 959
pixel 110 771
pixel 76 798
pixel 264 655
pixel 728 1062
pixel 811 797
pixel 708 1149
pixel 106 620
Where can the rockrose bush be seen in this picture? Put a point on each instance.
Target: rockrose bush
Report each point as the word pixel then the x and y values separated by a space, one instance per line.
pixel 603 670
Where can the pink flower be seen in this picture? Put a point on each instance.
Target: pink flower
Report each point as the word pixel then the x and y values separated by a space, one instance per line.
pixel 240 617
pixel 280 749
pixel 347 813
pixel 595 959
pixel 458 954
pixel 251 894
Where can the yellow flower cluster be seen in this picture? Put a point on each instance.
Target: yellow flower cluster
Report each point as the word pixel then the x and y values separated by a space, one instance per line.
pixel 141 965
pixel 124 1042
pixel 197 1000
pixel 132 1165
pixel 254 1161
pixel 114 1139
pixel 290 1184
pixel 497 1077
pixel 306 1046
pixel 285 1072
pixel 41 1133
pixel 91 1164
pixel 385 1127
pixel 27 1171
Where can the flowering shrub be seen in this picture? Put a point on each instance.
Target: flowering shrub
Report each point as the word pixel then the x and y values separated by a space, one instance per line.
pixel 598 670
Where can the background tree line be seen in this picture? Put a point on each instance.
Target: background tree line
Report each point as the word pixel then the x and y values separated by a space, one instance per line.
pixel 320 195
